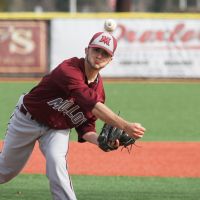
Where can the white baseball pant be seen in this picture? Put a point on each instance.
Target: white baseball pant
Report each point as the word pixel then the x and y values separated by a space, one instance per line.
pixel 22 133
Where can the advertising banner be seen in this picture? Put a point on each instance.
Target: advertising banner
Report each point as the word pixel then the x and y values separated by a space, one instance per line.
pixel 23 47
pixel 146 47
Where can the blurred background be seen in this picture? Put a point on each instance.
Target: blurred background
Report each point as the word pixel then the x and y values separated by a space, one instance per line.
pixel 100 5
pixel 156 39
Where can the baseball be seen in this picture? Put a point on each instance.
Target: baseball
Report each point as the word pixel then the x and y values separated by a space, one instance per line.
pixel 110 25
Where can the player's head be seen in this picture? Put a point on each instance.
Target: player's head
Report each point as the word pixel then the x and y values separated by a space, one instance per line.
pixel 105 41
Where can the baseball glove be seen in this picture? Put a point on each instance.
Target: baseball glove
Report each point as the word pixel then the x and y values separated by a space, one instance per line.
pixel 108 136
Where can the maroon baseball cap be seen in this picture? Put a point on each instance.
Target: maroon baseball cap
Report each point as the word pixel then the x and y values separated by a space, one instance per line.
pixel 104 40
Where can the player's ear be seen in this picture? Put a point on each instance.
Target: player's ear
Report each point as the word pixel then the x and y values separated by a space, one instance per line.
pixel 110 59
pixel 86 51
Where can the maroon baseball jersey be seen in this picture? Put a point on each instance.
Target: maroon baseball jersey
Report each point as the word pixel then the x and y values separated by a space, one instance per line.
pixel 63 99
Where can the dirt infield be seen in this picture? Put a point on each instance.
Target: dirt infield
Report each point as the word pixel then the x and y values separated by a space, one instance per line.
pixel 163 159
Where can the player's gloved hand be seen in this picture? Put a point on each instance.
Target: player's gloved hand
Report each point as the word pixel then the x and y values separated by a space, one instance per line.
pixel 111 138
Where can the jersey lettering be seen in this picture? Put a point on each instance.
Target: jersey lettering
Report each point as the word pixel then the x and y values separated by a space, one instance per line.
pixel 55 103
pixel 77 117
pixel 65 105
pixel 68 108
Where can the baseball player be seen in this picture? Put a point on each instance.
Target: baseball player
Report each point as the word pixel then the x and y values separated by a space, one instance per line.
pixel 71 96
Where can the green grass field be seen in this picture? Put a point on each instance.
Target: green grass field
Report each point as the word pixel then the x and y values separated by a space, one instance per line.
pixel 31 187
pixel 170 112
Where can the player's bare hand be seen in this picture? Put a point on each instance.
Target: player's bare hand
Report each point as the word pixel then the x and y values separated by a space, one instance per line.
pixel 135 130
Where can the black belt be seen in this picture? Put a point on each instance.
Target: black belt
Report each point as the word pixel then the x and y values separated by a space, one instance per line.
pixel 25 112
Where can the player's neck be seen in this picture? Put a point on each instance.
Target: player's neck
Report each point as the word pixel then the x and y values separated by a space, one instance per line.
pixel 90 72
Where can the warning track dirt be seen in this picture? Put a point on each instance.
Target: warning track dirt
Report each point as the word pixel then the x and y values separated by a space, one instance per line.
pixel 162 159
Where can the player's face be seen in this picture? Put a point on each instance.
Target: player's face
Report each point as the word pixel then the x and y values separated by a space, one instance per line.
pixel 97 58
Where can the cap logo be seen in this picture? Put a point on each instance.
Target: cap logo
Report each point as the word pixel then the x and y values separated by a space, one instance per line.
pixel 105 40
